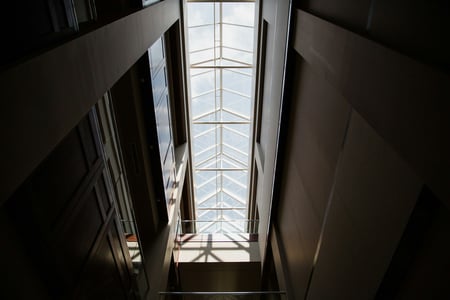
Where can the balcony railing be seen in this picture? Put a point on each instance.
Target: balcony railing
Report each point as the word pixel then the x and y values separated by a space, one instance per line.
pixel 217 227
pixel 247 295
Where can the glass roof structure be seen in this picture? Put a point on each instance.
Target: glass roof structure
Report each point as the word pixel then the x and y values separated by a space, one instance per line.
pixel 220 54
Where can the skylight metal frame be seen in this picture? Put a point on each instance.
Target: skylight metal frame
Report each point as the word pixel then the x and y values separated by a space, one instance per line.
pixel 216 66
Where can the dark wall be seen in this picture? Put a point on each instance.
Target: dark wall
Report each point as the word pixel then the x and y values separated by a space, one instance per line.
pixel 31 27
pixel 61 227
pixel 351 14
pixel 349 184
pixel 416 28
pixel 47 95
pixel 319 118
pixel 27 26
pixel 419 268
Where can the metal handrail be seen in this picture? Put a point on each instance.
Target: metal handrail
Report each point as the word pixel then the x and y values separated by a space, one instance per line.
pixel 249 226
pixel 217 221
pixel 246 293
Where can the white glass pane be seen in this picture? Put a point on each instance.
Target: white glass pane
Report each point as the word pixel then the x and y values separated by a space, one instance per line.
pixel 204 104
pixel 239 37
pixel 200 13
pixel 156 56
pixel 229 116
pixel 239 13
pixel 205 138
pixel 205 155
pixel 213 117
pixel 206 215
pixel 232 63
pixel 236 103
pixel 221 35
pixel 206 190
pixel 201 38
pixel 233 202
pixel 201 56
pixel 208 203
pixel 234 215
pixel 195 72
pixel 234 183
pixel 211 162
pixel 235 138
pixel 235 81
pixel 237 55
pixel 235 154
pixel 159 85
pixel 202 83
pixel 229 163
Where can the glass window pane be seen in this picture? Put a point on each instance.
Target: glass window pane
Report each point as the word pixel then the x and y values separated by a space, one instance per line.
pixel 235 138
pixel 221 111
pixel 156 56
pixel 200 13
pixel 204 139
pixel 233 202
pixel 204 155
pixel 238 37
pixel 207 189
pixel 206 215
pixel 202 83
pixel 237 55
pixel 203 105
pixel 235 154
pixel 201 38
pixel 234 80
pixel 239 13
pixel 237 103
pixel 202 57
pixel 210 202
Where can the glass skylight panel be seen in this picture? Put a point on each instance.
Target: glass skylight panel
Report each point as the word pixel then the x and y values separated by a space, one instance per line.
pixel 220 46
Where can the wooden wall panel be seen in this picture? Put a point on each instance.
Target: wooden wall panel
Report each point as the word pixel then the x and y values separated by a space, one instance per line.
pixel 61 244
pixel 402 99
pixel 14 255
pixel 419 268
pixel 113 157
pixel 374 195
pixel 395 143
pixel 417 28
pixel 103 264
pixel 352 14
pixel 318 121
pixel 220 276
pixel 46 96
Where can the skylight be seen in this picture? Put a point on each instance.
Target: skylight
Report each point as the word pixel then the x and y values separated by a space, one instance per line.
pixel 220 47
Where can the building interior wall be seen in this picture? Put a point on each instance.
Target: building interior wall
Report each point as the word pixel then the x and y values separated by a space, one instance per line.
pixel 46 96
pixel 357 155
pixel 361 140
pixel 275 15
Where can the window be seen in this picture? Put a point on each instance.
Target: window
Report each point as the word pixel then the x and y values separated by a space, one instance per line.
pixel 220 54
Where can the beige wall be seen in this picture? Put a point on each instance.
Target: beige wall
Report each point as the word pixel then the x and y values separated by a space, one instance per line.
pixel 275 13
